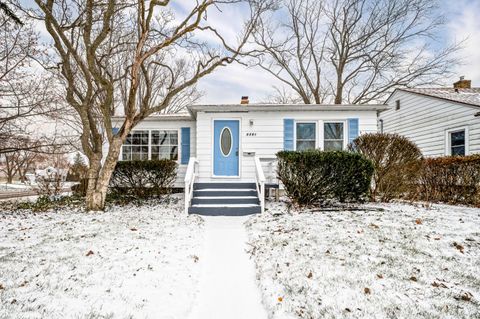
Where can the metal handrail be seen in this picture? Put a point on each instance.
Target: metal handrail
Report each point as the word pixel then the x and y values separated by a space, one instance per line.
pixel 260 182
pixel 190 176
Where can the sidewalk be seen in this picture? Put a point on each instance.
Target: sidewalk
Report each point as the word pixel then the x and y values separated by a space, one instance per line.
pixel 227 286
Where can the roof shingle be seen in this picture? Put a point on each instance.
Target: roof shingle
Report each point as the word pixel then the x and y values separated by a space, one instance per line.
pixel 466 96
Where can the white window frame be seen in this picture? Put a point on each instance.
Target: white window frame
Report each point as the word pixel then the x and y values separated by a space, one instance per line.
pixel 179 152
pixel 307 122
pixel 345 132
pixel 448 139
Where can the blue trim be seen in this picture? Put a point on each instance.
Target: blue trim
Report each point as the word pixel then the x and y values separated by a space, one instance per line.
pixel 185 145
pixel 352 129
pixel 288 134
pixel 115 130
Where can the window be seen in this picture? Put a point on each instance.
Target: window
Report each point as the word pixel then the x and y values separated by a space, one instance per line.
pixel 165 145
pixel 159 144
pixel 306 133
pixel 397 105
pixel 333 136
pixel 226 141
pixel 457 142
pixel 135 146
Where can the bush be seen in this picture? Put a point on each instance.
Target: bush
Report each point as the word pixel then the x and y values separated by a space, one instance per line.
pixel 80 189
pixel 143 179
pixel 315 176
pixel 452 179
pixel 396 161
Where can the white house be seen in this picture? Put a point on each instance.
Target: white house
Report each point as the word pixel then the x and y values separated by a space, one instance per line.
pixel 441 121
pixel 225 152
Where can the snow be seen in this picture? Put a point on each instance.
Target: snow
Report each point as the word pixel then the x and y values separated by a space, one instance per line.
pixel 128 262
pixel 383 261
pixel 227 286
pixel 14 187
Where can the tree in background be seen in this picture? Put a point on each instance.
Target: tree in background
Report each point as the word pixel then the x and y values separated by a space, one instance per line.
pixel 352 51
pixel 131 56
pixel 78 170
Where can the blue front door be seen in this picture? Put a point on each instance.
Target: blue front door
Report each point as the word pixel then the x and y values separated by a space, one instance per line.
pixel 225 147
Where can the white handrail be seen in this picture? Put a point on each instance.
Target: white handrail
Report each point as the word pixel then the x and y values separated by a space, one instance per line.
pixel 190 176
pixel 260 182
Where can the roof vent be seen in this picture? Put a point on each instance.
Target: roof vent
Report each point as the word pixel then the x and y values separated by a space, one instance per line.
pixel 244 100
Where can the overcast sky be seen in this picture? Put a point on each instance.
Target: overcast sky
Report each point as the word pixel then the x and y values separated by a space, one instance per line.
pixel 228 84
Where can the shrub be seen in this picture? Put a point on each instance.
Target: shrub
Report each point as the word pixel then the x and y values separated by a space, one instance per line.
pixel 315 176
pixel 396 161
pixel 452 179
pixel 143 179
pixel 80 189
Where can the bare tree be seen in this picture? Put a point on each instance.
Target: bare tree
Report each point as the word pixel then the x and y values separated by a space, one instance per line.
pixel 352 51
pixel 134 56
pixel 20 161
pixel 27 93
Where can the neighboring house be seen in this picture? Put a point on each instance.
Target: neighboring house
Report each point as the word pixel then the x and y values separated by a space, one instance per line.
pixel 441 121
pixel 230 147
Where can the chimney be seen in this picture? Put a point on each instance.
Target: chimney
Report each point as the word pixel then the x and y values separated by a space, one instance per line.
pixel 462 84
pixel 244 100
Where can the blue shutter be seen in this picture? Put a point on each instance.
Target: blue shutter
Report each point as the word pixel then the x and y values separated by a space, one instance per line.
pixel 115 130
pixel 185 145
pixel 352 129
pixel 288 134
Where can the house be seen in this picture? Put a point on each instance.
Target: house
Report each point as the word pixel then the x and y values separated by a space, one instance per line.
pixel 441 121
pixel 226 153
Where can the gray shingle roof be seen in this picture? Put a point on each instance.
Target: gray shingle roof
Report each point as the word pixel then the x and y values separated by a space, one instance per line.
pixel 466 96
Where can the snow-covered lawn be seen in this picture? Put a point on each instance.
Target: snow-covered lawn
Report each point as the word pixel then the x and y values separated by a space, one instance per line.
pixel 128 262
pixel 387 261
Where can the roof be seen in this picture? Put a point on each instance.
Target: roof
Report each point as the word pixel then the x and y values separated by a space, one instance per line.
pixel 245 108
pixel 464 96
pixel 162 117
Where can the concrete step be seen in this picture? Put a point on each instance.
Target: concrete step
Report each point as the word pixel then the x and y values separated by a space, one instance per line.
pixel 224 185
pixel 225 200
pixel 231 192
pixel 222 210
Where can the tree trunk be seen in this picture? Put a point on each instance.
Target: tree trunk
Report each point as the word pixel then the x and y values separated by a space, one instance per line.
pixel 9 179
pixel 99 175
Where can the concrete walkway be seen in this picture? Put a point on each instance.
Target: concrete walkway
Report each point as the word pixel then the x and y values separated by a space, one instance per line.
pixel 227 285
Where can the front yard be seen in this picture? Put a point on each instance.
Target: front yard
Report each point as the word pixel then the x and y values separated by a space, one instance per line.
pixel 128 262
pixel 386 261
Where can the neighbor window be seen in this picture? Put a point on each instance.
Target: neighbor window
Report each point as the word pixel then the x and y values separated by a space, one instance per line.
pixel 457 142
pixel 135 146
pixel 165 145
pixel 155 144
pixel 333 136
pixel 306 133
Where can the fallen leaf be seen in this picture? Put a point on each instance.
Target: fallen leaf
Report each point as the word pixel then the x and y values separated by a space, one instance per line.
pixel 133 229
pixel 1 287
pixel 459 247
pixel 366 290
pixel 89 253
pixel 280 299
pixel 466 296
pixel 379 276
pixel 310 275
pixel 418 221
pixel 347 310
pixel 374 226
pixel 413 278
pixel 438 285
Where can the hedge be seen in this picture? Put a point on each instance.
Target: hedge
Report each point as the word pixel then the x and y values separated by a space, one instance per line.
pixel 314 176
pixel 451 179
pixel 396 161
pixel 143 179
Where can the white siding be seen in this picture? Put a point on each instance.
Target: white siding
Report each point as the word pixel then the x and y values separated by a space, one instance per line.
pixel 173 125
pixel 425 121
pixel 268 127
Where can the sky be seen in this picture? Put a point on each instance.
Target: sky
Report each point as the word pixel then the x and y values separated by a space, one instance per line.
pixel 228 84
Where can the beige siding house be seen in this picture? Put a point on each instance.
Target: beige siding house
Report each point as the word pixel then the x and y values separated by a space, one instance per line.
pixel 441 121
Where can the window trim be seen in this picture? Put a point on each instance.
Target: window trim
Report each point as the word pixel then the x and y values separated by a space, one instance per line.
pixel 345 132
pixel 179 151
pixel 305 122
pixel 448 139
pixel 148 144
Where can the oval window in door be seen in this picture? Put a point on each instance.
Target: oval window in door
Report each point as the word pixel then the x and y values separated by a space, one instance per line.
pixel 226 141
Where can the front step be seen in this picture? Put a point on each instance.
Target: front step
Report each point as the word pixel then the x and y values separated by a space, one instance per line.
pixel 227 199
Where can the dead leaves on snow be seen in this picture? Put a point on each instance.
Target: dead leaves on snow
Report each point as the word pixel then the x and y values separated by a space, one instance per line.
pixel 89 253
pixel 458 246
